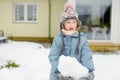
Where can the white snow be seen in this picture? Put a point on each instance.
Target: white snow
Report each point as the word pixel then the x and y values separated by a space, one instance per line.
pixel 69 66
pixel 34 65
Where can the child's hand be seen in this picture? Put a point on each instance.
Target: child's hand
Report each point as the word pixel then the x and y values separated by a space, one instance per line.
pixel 60 75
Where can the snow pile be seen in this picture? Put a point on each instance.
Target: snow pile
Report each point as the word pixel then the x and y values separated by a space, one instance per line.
pixel 32 58
pixel 69 66
pixel 34 64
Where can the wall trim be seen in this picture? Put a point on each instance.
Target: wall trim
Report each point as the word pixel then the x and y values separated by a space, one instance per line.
pixel 104 46
pixel 95 46
pixel 32 39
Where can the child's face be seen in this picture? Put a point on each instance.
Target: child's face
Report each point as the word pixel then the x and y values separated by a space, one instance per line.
pixel 70 25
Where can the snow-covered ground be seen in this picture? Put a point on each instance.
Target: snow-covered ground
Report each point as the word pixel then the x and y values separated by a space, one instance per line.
pixel 34 64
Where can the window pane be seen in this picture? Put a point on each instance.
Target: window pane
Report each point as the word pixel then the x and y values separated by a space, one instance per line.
pixel 31 12
pixel 19 12
pixel 95 16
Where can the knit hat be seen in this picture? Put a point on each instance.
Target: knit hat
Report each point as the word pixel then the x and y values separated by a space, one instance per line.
pixel 69 13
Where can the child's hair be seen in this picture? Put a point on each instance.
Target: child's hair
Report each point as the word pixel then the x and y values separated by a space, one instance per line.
pixel 70 13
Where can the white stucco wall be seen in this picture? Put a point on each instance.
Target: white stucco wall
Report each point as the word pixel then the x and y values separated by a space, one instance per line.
pixel 115 21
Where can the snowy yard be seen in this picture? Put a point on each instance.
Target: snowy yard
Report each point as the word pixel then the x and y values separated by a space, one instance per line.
pixel 32 59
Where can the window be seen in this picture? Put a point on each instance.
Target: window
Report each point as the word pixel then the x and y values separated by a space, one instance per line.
pixel 96 18
pixel 25 12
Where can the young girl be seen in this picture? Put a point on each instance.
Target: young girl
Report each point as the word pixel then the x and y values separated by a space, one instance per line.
pixel 70 42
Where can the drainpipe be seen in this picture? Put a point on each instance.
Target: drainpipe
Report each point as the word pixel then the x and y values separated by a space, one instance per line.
pixel 49 20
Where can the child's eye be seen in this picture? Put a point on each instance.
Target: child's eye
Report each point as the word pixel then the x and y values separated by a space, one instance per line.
pixel 74 22
pixel 68 22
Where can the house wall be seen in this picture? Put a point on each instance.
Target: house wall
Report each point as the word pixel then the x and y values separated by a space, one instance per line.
pixel 56 10
pixel 115 22
pixel 24 29
pixel 39 29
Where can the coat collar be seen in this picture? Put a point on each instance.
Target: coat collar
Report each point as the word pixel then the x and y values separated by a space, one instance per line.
pixel 73 35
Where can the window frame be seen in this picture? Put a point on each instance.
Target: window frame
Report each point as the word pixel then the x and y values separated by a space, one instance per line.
pixel 25 13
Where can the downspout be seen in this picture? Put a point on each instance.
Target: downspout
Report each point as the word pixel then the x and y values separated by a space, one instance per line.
pixel 49 20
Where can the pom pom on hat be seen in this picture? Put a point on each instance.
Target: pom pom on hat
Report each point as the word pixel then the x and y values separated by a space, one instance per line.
pixel 69 12
pixel 68 5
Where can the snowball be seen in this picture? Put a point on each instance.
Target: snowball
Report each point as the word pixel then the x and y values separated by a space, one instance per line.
pixel 69 66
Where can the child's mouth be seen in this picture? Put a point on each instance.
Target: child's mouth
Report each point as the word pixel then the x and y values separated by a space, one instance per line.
pixel 70 28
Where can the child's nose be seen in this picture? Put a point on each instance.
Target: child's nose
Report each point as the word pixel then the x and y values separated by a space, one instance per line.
pixel 71 24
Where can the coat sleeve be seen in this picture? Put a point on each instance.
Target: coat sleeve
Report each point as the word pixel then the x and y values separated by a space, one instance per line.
pixel 86 56
pixel 54 55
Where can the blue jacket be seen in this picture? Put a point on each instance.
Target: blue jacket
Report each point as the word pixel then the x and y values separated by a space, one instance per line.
pixel 70 44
